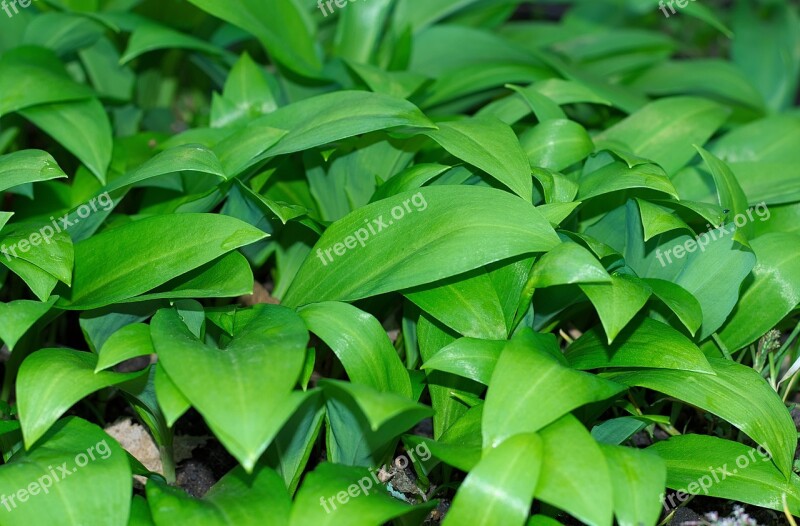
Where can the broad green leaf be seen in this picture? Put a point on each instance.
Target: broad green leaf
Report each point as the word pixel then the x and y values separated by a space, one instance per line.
pixel 557 187
pixel 244 392
pixel 345 496
pixel 637 478
pixel 248 92
pixel 380 408
pixel 769 295
pixel 32 76
pixel 50 381
pixel 618 176
pixel 707 465
pixel 679 301
pixel 647 343
pixel 617 302
pixel 713 274
pixel 490 145
pixel 165 246
pixel 665 130
pixel 445 389
pixel 360 30
pixel 735 393
pixel 360 343
pixel 50 480
pixel 556 144
pixel 239 498
pixel 290 41
pixel 151 37
pixel 511 109
pixel 499 490
pixel 27 166
pixel 82 127
pixel 409 179
pixel 555 390
pixel 62 32
pixel 454 218
pixel 574 474
pixel 657 220
pixel 172 402
pixel 184 158
pixel 766 49
pixel 714 78
pixel 568 263
pixel 468 357
pixel 128 342
pixel 730 193
pixel 46 247
pixel 542 106
pixel 228 276
pixel 468 304
pixel 243 149
pixel 291 450
pixel 320 120
pixel 17 317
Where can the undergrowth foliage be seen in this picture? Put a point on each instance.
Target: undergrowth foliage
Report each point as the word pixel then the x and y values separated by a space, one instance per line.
pixel 400 261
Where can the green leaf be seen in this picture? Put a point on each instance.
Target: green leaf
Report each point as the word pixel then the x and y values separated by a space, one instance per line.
pixel 360 343
pixel 769 295
pixel 555 390
pixel 647 343
pixel 735 393
pixel 409 179
pixel 468 304
pixel 617 302
pixel 244 392
pixel 33 76
pixel 165 246
pixel 50 381
pixel 679 301
pixel 618 176
pixel 82 127
pixel 568 263
pixel 454 218
pixel 665 130
pixel 128 342
pixel 184 158
pixel 556 144
pixel 490 145
pixel 320 120
pixel 150 37
pixel 638 478
pixel 496 491
pixel 290 41
pixel 17 317
pixel 27 166
pixel 712 466
pixel 50 480
pixel 256 499
pixel 658 219
pixel 730 193
pixel 468 357
pixel 713 275
pixel 575 475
